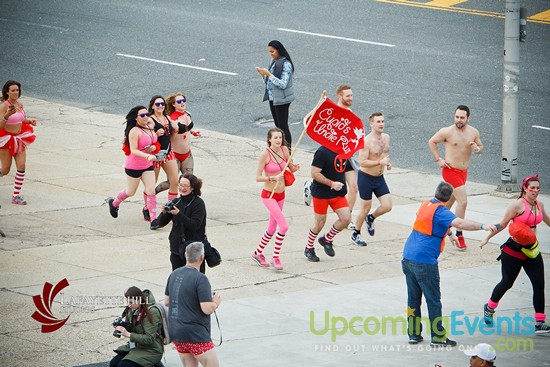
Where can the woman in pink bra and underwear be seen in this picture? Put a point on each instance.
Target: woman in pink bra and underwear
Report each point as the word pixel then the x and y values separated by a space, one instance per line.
pixel 140 137
pixel 527 211
pixel 272 162
pixel 16 134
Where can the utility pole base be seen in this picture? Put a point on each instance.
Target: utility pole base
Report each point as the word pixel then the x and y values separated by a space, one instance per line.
pixel 507 190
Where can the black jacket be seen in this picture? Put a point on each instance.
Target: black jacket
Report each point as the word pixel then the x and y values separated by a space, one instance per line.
pixel 189 223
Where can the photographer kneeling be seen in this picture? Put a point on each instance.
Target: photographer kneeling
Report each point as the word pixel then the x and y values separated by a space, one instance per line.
pixel 188 214
pixel 141 323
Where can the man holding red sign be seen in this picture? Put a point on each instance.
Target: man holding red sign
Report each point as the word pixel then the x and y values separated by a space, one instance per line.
pixel 340 133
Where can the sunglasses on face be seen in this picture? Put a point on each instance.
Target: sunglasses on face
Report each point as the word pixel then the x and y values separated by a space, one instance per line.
pixel 158 104
pixel 142 115
pixel 179 101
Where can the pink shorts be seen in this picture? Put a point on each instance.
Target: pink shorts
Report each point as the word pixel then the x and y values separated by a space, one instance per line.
pixel 194 348
pixel 454 177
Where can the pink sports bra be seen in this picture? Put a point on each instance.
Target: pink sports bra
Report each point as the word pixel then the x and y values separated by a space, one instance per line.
pixel 527 216
pixel 16 118
pixel 273 168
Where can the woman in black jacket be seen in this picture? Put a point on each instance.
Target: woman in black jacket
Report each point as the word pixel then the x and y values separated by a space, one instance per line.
pixel 189 219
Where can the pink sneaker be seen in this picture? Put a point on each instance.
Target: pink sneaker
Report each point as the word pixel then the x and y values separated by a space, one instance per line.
pixel 276 263
pixel 18 199
pixel 260 260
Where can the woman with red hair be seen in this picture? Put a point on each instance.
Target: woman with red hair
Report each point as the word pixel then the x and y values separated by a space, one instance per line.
pixel 521 251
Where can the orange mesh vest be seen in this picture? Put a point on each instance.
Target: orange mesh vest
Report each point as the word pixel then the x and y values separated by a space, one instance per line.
pixel 424 220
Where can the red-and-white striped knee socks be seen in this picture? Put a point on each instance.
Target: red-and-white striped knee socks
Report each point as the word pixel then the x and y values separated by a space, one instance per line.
pixel 18 182
pixel 330 235
pixel 311 237
pixel 263 242
pixel 279 238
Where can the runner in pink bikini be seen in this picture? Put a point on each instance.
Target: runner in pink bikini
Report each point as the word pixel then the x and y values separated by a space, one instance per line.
pixel 140 137
pixel 15 135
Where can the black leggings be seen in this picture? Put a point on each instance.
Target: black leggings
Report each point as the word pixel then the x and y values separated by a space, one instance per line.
pixel 280 116
pixel 510 267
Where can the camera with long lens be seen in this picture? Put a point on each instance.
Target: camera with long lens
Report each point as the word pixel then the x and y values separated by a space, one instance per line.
pixel 119 321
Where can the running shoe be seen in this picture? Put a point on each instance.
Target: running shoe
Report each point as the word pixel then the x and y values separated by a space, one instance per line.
pixel 276 263
pixel 461 243
pixel 370 225
pixel 146 215
pixel 542 327
pixel 415 339
pixel 329 250
pixel 307 193
pixel 357 240
pixel 155 224
pixel 112 209
pixel 260 259
pixel 488 314
pixel 351 226
pixel 19 200
pixel 310 254
pixel 443 343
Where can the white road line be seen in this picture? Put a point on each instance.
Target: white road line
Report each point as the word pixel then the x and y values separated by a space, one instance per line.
pixel 35 24
pixel 540 127
pixel 336 37
pixel 176 64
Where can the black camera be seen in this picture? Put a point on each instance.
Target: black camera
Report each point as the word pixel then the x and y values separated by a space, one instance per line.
pixel 119 321
pixel 169 206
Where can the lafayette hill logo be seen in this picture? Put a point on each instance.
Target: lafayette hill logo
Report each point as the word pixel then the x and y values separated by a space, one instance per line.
pixel 44 307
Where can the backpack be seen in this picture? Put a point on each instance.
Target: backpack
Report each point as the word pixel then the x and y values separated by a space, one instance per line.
pixel 163 310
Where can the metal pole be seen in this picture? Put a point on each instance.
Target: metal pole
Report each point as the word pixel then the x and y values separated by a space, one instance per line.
pixel 510 115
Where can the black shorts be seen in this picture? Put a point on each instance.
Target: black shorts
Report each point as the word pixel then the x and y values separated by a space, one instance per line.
pixel 136 173
pixel 368 184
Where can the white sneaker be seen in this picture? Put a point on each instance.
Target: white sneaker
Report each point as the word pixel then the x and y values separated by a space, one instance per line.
pixel 351 226
pixel 307 192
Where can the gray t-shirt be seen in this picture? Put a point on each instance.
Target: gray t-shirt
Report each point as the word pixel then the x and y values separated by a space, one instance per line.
pixel 187 288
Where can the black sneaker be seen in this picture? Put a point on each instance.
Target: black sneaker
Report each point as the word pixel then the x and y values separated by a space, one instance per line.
pixel 310 254
pixel 542 327
pixel 146 215
pixel 415 339
pixel 370 224
pixel 488 314
pixel 357 240
pixel 443 343
pixel 112 209
pixel 155 224
pixel 327 246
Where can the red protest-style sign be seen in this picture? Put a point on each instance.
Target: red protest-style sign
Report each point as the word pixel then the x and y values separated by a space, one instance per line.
pixel 336 128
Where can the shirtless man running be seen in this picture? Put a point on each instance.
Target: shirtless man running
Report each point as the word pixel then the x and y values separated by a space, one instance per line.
pixel 374 158
pixel 460 141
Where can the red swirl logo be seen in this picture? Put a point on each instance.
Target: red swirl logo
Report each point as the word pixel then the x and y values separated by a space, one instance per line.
pixel 44 307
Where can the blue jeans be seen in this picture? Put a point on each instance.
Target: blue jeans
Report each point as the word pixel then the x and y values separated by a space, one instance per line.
pixel 423 279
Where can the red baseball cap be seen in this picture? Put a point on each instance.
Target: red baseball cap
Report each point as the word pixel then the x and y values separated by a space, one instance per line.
pixel 522 233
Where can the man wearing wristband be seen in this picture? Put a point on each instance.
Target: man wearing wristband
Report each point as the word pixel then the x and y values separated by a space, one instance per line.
pixel 190 302
pixel 419 264
pixel 374 159
pixel 327 189
pixel 460 141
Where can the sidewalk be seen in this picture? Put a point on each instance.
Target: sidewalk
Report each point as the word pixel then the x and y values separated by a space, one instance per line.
pixel 67 232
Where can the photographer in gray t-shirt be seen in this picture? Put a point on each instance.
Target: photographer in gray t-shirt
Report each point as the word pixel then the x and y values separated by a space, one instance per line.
pixel 190 300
